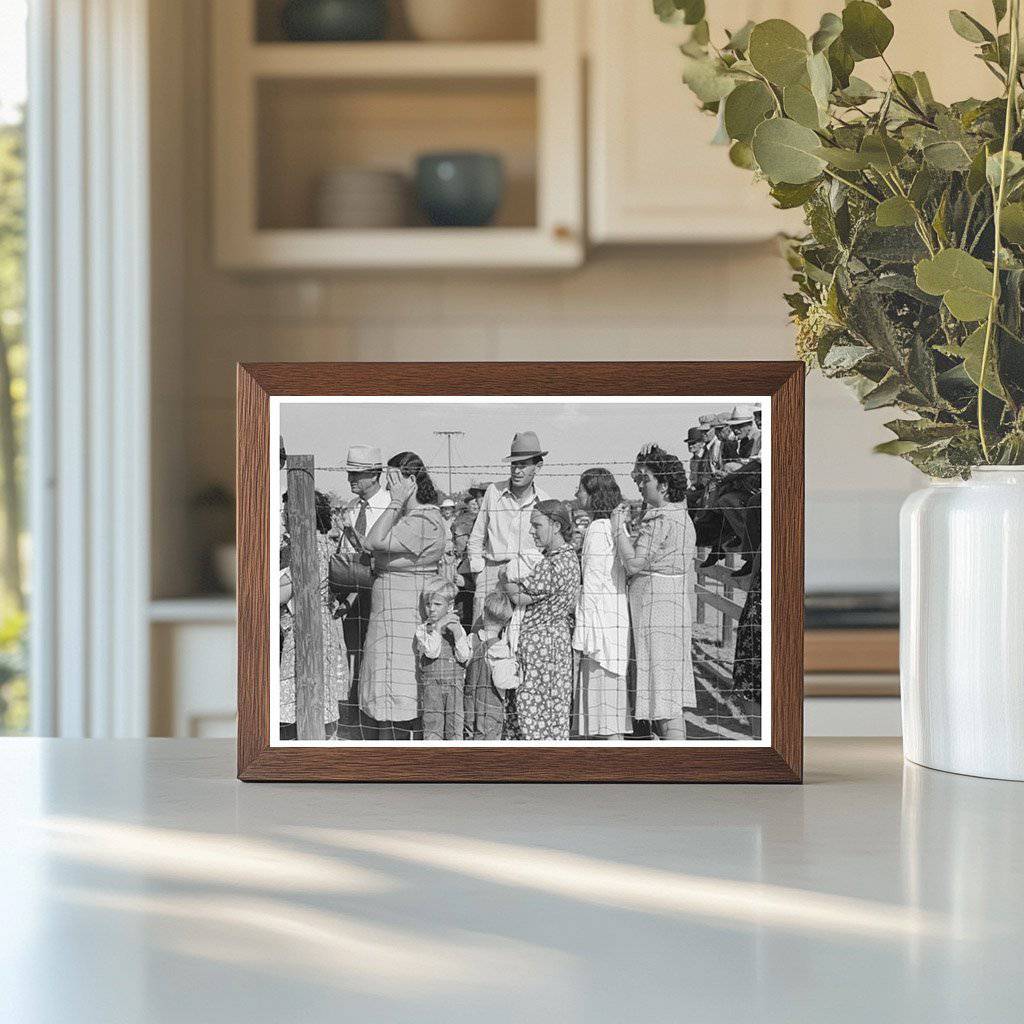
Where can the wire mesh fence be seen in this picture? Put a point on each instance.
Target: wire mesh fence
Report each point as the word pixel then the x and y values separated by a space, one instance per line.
pixel 498 613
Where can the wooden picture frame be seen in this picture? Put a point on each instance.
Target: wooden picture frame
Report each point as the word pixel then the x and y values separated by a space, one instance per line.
pixel 780 759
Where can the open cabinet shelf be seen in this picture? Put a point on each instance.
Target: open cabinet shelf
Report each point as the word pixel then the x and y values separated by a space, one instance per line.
pixel 287 114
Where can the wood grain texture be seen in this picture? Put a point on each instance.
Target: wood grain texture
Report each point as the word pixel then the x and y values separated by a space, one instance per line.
pixel 852 650
pixel 646 762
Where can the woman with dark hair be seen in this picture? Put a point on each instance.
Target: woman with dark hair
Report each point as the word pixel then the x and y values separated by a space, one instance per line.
pixel 336 675
pixel 659 567
pixel 602 616
pixel 543 700
pixel 407 544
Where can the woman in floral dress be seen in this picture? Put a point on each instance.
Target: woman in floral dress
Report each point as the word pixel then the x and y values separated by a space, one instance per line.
pixel 549 594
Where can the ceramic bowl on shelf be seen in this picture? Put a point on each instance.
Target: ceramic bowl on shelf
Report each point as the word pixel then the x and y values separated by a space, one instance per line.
pixel 362 197
pixel 460 189
pixel 470 20
pixel 334 21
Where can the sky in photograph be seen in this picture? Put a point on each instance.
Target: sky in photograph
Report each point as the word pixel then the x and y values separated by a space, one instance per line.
pixel 579 434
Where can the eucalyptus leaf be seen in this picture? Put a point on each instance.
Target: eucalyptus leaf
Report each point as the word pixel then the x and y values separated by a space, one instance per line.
pixel 1012 223
pixel 841 62
pixel 739 41
pixel 947 156
pixel 708 80
pixel 741 155
pixel 857 91
pixel 788 196
pixel 883 152
pixel 895 447
pixel 745 108
pixel 924 88
pixel 993 167
pixel 922 430
pixel 866 29
pixel 885 394
pixel 819 75
pixel 969 28
pixel 829 30
pixel 787 152
pixel 976 174
pixel 844 159
pixel 895 212
pixel 963 281
pixel 971 351
pixel 690 12
pixel 779 51
pixel 800 105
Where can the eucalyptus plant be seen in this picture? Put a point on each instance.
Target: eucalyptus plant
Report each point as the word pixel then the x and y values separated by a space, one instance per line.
pixel 910 277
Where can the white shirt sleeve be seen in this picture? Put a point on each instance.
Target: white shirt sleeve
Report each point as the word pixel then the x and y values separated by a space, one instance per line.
pixel 428 642
pixel 475 546
pixel 463 649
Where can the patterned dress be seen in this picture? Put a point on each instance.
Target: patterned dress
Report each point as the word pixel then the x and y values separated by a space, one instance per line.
pixel 747 662
pixel 659 603
pixel 388 690
pixel 544 697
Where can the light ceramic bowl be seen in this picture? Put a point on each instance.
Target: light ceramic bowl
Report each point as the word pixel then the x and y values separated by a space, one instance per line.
pixel 470 20
pixel 359 197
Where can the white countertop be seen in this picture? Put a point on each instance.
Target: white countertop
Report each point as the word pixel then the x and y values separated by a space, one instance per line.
pixel 140 882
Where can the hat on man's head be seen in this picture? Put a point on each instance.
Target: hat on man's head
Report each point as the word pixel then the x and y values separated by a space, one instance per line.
pixel 696 435
pixel 448 503
pixel 363 458
pixel 524 446
pixel 741 414
pixel 478 486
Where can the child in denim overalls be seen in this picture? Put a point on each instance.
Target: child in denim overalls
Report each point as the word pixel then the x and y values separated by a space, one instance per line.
pixel 491 670
pixel 442 650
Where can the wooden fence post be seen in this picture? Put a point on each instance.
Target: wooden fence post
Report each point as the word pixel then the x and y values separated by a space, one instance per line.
pixel 309 637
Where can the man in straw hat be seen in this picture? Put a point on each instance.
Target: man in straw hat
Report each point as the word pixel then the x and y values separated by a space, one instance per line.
pixel 748 435
pixel 351 568
pixel 501 537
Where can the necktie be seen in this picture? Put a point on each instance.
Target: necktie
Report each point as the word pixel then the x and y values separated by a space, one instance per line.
pixel 361 519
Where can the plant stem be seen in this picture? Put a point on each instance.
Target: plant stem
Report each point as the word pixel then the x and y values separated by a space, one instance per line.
pixel 853 185
pixel 1011 108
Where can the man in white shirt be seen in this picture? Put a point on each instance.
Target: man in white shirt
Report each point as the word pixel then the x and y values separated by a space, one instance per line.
pixel 501 539
pixel 351 569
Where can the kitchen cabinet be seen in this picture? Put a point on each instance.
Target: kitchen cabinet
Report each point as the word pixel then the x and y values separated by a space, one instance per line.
pixel 653 175
pixel 288 114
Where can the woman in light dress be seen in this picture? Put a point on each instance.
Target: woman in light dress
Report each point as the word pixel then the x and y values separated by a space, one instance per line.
pixel 602 617
pixel 661 574
pixel 407 543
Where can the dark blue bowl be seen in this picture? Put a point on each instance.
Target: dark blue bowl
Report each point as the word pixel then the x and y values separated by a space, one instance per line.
pixel 334 21
pixel 461 190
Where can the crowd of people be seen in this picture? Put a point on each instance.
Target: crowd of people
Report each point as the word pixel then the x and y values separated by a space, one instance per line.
pixel 507 614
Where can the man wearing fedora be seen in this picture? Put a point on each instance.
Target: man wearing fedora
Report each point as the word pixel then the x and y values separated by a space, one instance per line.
pixel 748 435
pixel 351 569
pixel 501 537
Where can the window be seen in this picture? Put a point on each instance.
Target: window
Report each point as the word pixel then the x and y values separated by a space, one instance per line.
pixel 14 689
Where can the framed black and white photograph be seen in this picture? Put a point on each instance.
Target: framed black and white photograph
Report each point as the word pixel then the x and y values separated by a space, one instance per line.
pixel 589 575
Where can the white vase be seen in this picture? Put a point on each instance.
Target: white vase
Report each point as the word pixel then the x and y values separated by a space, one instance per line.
pixel 962 624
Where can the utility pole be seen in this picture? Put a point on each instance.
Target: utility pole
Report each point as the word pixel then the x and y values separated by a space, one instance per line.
pixel 449 434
